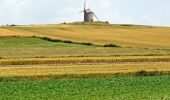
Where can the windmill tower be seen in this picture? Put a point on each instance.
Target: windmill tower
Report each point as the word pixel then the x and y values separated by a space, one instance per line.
pixel 88 14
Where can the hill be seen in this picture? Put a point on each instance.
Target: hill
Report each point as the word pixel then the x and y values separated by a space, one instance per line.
pixel 70 60
pixel 99 34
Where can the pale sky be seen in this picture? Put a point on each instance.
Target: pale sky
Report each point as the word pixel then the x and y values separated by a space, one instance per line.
pixel 147 12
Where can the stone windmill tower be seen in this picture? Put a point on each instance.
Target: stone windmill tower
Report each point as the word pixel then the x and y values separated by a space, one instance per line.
pixel 89 14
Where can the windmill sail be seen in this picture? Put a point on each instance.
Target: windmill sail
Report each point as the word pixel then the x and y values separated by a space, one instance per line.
pixel 96 17
pixel 84 5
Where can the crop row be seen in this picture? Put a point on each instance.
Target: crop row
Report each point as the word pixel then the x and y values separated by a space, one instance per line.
pixel 81 60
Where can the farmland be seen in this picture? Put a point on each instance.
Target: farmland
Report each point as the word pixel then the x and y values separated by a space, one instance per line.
pixel 30 47
pixel 36 56
pixel 117 88
pixel 123 35
pixel 61 70
pixel 84 61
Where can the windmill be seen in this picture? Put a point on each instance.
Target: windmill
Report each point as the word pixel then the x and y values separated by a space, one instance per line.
pixel 88 14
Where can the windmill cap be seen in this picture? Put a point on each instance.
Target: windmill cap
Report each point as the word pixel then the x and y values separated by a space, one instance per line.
pixel 88 11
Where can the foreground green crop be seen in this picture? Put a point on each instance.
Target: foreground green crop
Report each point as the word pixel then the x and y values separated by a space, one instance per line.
pixel 117 88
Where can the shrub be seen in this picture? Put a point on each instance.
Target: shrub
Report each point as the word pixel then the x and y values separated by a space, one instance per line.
pixel 126 25
pixel 67 41
pixel 107 22
pixel 110 45
pixel 46 38
pixel 64 23
pixel 55 40
pixel 150 73
pixel 88 44
pixel 33 36
pixel 13 25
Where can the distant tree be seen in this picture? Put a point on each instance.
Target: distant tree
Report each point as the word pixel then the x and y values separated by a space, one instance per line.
pixel 64 23
pixel 12 25
pixel 107 22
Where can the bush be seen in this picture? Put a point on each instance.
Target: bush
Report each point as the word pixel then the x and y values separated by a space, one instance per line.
pixel 55 40
pixel 67 41
pixel 45 38
pixel 107 22
pixel 64 23
pixel 64 41
pixel 88 44
pixel 110 45
pixel 13 25
pixel 33 36
pixel 126 25
pixel 150 73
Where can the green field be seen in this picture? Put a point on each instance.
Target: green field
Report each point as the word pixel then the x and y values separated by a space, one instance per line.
pixel 108 88
pixel 31 47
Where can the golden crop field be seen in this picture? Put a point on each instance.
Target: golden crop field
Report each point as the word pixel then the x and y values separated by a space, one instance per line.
pixel 122 35
pixel 81 69
pixel 82 65
pixel 6 32
pixel 84 60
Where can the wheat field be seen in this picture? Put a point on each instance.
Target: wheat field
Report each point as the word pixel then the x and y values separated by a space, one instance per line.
pixel 82 65
pixel 81 69
pixel 84 60
pixel 123 35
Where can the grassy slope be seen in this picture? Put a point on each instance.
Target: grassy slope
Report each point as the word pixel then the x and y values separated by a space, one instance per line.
pixel 127 36
pixel 117 88
pixel 22 47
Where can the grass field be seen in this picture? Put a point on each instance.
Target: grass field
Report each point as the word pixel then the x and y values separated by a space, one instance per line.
pixel 31 47
pixel 106 88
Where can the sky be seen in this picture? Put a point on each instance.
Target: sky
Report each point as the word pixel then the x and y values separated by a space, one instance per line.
pixel 144 12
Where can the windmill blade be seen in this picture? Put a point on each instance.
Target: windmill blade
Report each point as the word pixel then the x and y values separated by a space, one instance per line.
pixel 96 17
pixel 84 5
